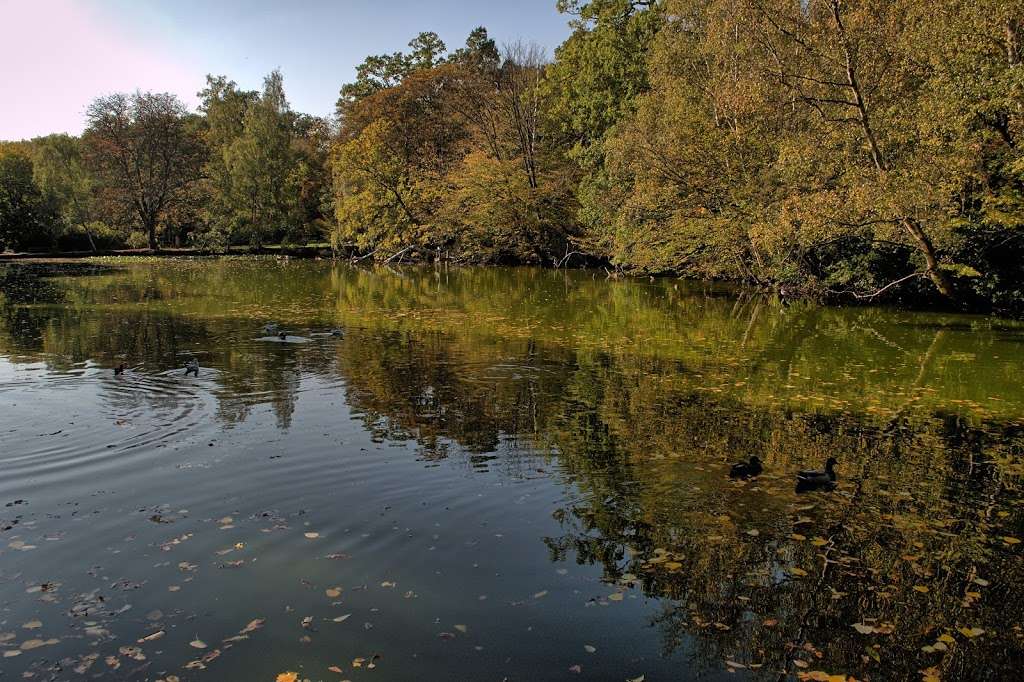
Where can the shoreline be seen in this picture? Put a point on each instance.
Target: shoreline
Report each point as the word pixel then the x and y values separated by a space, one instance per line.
pixel 324 252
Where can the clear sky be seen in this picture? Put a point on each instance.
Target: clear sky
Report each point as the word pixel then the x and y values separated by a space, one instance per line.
pixel 57 55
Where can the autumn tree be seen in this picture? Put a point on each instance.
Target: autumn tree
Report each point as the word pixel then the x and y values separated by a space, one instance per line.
pixel 144 154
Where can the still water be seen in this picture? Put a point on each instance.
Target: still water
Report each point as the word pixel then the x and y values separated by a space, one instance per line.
pixel 496 474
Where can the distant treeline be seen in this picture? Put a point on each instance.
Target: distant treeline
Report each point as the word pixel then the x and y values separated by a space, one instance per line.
pixel 859 149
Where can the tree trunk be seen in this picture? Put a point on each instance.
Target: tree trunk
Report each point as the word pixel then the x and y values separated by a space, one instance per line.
pixel 938 277
pixel 151 231
pixel 92 244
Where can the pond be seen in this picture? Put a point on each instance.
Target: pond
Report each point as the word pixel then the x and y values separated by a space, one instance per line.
pixel 496 474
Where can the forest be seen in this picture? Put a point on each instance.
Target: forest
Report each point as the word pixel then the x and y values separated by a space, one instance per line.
pixel 854 150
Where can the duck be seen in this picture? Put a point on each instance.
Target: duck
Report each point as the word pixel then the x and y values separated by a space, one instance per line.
pixel 809 479
pixel 283 335
pixel 192 367
pixel 119 370
pixel 270 328
pixel 337 332
pixel 747 469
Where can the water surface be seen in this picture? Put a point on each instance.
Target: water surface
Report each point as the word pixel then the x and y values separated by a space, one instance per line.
pixel 496 474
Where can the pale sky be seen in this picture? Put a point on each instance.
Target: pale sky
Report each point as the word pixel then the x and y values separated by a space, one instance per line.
pixel 58 55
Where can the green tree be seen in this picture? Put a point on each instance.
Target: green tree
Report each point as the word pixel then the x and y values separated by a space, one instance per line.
pixel 597 75
pixel 62 176
pixel 259 163
pixel 26 218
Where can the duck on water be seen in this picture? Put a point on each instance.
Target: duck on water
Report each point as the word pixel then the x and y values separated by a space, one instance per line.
pixel 747 469
pixel 817 479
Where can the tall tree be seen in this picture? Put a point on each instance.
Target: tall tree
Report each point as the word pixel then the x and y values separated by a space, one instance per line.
pixel 26 218
pixel 60 172
pixel 259 162
pixel 144 154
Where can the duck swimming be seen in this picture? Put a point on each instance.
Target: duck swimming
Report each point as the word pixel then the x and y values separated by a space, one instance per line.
pixel 283 335
pixel 810 479
pixel 192 367
pixel 336 332
pixel 119 370
pixel 747 469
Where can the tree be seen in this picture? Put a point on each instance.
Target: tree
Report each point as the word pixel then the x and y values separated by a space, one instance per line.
pixel 144 154
pixel 62 176
pixel 259 163
pixel 383 71
pixel 26 219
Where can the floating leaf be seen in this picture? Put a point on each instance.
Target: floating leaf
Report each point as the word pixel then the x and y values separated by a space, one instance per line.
pixel 312 535
pixel 821 676
pixel 1011 540
pixel 923 589
pixel 971 632
pixel 253 625
pixel 197 643
pixel 589 649
pixel 287 677
pixel 333 592
pixel 615 596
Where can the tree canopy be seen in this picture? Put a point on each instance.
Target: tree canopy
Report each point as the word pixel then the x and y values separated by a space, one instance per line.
pixel 853 149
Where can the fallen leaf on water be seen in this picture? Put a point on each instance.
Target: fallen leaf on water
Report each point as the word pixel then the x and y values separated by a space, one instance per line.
pixel 615 596
pixel 29 644
pixel 461 628
pixel 971 632
pixel 287 677
pixel 820 676
pixel 197 643
pixel 333 592
pixel 334 669
pixel 388 583
pixel 342 619
pixel 753 532
pixel 1011 540
pixel 253 625
pixel 540 594
pixel 589 649
pixel 921 588
pixel 33 625
pixel 152 637
pixel 797 571
pixel 312 535
pixel 575 669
